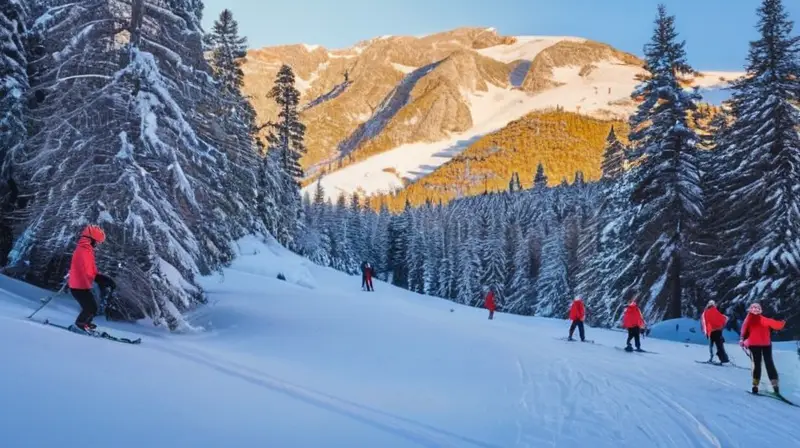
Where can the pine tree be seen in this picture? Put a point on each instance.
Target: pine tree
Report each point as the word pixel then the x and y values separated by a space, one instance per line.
pixel 761 193
pixel 126 135
pixel 540 179
pixel 399 232
pixel 227 52
pixel 289 132
pixel 667 195
pixel 494 260
pixel 613 157
pixel 13 90
pixel 552 285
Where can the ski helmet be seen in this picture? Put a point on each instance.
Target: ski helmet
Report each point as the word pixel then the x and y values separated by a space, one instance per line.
pixel 755 308
pixel 711 303
pixel 94 233
pixel 578 299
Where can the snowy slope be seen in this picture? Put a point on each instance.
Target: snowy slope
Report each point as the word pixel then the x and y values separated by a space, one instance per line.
pixel 605 92
pixel 314 361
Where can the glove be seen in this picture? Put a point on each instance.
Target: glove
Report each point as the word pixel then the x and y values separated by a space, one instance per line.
pixel 742 344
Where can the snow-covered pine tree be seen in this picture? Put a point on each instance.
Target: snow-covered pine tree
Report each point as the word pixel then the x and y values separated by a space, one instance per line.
pixel 415 255
pixel 613 157
pixel 494 258
pixel 379 250
pixel 316 242
pixel 667 195
pixel 519 294
pixel 125 109
pixel 287 137
pixel 399 231
pixel 357 235
pixel 514 185
pixel 762 203
pixel 13 92
pixel 552 285
pixel 227 52
pixel 342 257
pixel 468 288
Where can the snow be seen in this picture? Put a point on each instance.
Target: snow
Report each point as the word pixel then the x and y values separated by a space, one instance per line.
pixel 311 48
pixel 403 68
pixel 284 364
pixel 526 47
pixel 303 85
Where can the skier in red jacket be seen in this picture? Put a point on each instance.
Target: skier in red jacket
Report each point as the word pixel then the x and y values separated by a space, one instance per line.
pixel 713 322
pixel 489 303
pixel 83 273
pixel 633 320
pixel 577 313
pixel 368 277
pixel 755 336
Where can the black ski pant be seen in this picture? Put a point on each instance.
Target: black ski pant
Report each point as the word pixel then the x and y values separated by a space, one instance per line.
pixel 765 353
pixel 633 334
pixel 88 305
pixel 717 339
pixel 579 324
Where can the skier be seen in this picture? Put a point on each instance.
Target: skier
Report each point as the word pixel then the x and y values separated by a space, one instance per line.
pixel 577 313
pixel 368 277
pixel 713 322
pixel 489 303
pixel 756 338
pixel 364 276
pixel 633 320
pixel 83 273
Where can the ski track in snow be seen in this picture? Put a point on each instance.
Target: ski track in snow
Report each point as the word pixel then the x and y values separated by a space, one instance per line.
pixel 391 369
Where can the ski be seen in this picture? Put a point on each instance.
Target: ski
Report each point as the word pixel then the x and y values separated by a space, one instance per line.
pixel 718 364
pixel 94 333
pixel 774 396
pixel 635 351
pixel 587 341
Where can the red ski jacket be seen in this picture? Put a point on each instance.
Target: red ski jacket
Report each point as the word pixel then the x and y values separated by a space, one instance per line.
pixel 577 311
pixel 756 330
pixel 713 320
pixel 368 273
pixel 632 317
pixel 489 303
pixel 82 269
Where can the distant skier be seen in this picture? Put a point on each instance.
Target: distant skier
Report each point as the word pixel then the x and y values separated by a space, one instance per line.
pixel 577 313
pixel 364 276
pixel 633 320
pixel 368 277
pixel 83 273
pixel 489 303
pixel 713 323
pixel 756 338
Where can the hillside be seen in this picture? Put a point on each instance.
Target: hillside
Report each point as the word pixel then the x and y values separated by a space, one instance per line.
pixel 315 362
pixel 397 107
pixel 563 142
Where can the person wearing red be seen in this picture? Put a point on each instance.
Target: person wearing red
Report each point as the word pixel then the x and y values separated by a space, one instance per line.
pixel 368 275
pixel 577 313
pixel 633 321
pixel 755 336
pixel 713 322
pixel 489 303
pixel 83 274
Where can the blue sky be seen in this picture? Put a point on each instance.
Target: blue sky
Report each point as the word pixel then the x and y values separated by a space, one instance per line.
pixel 717 32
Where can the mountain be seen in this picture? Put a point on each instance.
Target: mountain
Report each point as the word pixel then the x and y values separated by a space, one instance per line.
pixel 312 361
pixel 398 107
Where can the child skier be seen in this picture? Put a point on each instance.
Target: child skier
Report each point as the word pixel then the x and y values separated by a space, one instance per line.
pixel 577 313
pixel 489 303
pixel 713 322
pixel 83 273
pixel 633 320
pixel 756 337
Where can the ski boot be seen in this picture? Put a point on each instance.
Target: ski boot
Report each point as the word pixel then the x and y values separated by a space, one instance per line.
pixel 570 339
pixel 628 348
pixel 85 326
pixel 775 387
pixel 639 349
pixel 755 387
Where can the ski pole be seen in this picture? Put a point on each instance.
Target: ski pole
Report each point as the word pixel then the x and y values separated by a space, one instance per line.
pixel 64 285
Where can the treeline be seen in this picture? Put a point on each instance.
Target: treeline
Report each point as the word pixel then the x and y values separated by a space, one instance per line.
pixel 690 208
